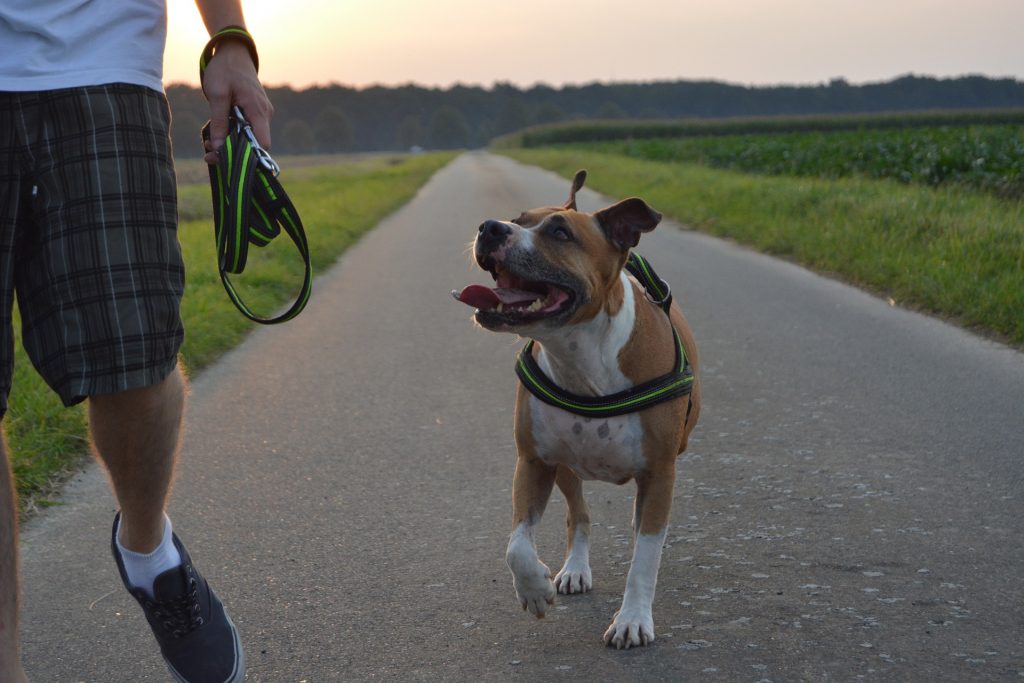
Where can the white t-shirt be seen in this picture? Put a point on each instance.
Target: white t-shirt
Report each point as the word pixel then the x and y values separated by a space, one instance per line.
pixel 50 44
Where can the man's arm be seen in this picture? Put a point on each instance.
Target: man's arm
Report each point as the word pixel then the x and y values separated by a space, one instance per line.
pixel 231 78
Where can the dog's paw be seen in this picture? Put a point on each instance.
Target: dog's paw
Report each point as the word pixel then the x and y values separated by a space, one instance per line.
pixel 574 577
pixel 535 590
pixel 630 628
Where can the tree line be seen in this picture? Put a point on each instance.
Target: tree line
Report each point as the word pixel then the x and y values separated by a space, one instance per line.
pixel 342 119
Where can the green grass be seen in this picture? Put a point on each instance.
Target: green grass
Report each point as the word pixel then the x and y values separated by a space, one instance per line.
pixel 338 204
pixel 948 251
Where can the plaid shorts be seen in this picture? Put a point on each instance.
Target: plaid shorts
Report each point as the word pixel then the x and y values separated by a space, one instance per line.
pixel 88 238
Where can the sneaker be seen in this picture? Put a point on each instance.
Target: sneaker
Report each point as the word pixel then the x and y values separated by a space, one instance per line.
pixel 196 637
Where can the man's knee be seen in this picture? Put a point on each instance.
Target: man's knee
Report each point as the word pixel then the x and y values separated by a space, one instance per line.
pixel 166 395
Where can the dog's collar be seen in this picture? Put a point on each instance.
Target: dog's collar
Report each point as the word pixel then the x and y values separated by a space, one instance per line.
pixel 673 384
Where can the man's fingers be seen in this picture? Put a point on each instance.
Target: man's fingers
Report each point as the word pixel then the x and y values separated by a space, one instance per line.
pixel 211 156
pixel 220 106
pixel 231 80
pixel 218 131
pixel 261 129
pixel 258 112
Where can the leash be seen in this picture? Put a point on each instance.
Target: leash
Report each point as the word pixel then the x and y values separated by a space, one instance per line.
pixel 673 384
pixel 250 206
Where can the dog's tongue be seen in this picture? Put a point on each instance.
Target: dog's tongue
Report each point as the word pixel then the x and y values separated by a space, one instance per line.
pixel 486 298
pixel 478 296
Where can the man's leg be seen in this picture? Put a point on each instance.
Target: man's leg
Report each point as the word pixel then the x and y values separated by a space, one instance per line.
pixel 135 433
pixel 10 656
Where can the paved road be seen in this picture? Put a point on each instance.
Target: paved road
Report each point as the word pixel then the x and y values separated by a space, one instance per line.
pixel 850 507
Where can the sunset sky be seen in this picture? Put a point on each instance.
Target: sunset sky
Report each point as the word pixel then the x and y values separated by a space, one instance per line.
pixel 479 42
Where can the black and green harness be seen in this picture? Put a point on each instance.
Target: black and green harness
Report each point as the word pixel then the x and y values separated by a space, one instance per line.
pixel 673 384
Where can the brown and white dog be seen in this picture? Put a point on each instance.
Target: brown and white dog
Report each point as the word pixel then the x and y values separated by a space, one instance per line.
pixel 560 281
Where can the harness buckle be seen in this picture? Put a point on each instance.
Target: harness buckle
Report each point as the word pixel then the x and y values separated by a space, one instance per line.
pixel 262 155
pixel 660 302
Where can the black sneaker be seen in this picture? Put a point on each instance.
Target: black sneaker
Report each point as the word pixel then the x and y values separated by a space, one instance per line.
pixel 197 639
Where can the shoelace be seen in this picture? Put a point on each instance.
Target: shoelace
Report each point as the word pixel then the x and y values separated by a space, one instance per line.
pixel 179 616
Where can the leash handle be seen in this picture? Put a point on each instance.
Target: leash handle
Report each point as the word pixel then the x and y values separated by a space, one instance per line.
pixel 250 206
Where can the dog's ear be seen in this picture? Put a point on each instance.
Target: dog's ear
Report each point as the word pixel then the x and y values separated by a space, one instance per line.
pixel 577 183
pixel 624 222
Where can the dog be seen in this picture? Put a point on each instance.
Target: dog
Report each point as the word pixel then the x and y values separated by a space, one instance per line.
pixel 595 331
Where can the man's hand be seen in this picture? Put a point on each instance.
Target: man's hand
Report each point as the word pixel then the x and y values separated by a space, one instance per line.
pixel 231 80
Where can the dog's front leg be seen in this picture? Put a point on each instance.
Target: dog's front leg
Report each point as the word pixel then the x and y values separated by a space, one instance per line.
pixel 633 625
pixel 574 576
pixel 531 489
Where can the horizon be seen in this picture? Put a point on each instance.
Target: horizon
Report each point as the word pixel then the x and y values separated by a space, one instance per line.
pixel 392 43
pixel 525 87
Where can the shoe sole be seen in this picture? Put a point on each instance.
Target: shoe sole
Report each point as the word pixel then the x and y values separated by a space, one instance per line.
pixel 238 674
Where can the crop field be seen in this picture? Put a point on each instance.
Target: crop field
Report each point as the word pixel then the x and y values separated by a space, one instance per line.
pixel 930 217
pixel 596 131
pixel 988 158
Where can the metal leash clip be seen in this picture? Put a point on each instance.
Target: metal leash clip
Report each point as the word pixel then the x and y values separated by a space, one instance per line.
pixel 667 297
pixel 263 155
pixel 638 267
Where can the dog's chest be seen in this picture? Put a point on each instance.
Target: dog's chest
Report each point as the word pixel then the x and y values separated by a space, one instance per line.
pixel 606 449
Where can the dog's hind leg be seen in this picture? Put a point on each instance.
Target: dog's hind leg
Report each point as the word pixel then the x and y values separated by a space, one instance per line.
pixel 531 578
pixel 574 576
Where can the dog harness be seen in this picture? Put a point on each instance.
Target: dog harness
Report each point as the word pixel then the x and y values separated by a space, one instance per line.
pixel 678 382
pixel 250 205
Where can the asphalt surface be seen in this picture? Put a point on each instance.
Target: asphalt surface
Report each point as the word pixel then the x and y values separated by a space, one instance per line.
pixel 850 507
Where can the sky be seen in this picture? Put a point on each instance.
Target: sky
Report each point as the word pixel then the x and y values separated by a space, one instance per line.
pixel 557 42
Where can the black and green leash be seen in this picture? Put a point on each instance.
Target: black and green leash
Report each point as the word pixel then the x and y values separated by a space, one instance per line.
pixel 250 206
pixel 678 382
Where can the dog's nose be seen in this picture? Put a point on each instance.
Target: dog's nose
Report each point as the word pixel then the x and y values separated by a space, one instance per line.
pixel 492 235
pixel 492 229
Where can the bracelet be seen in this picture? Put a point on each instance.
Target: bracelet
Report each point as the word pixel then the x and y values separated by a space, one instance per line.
pixel 227 33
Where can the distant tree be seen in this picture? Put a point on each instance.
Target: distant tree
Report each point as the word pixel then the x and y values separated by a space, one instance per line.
pixel 484 134
pixel 185 135
pixel 332 131
pixel 651 113
pixel 410 133
pixel 377 113
pixel 298 137
pixel 189 111
pixel 549 112
pixel 611 110
pixel 512 116
pixel 448 129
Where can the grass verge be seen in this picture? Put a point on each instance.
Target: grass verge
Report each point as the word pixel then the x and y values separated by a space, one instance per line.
pixel 952 252
pixel 338 203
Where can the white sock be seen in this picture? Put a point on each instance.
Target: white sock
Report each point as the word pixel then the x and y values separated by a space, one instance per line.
pixel 143 568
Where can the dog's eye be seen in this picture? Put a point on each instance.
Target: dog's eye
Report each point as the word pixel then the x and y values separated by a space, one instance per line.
pixel 560 233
